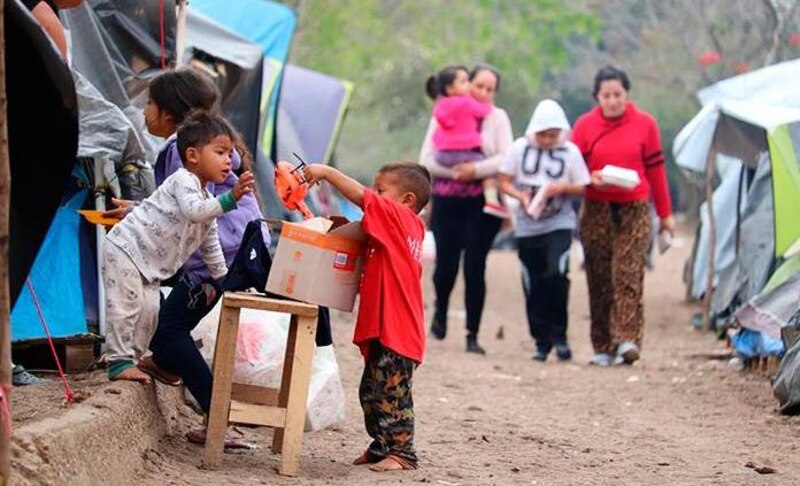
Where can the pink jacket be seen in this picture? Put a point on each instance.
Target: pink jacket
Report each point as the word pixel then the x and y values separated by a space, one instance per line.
pixel 459 120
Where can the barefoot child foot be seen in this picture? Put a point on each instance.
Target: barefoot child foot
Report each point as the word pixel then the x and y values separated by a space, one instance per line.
pixel 132 374
pixel 392 463
pixel 365 458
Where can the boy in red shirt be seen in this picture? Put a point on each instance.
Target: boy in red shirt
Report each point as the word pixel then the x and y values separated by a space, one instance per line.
pixel 389 331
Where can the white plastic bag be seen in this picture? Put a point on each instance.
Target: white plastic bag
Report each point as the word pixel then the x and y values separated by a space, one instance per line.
pixel 260 347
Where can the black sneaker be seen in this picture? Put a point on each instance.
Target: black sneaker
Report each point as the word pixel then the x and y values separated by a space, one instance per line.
pixel 474 347
pixel 563 353
pixel 438 329
pixel 540 356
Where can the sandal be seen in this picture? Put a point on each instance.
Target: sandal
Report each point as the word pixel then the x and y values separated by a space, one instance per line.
pixel 22 377
pixel 147 365
pixel 392 463
pixel 198 436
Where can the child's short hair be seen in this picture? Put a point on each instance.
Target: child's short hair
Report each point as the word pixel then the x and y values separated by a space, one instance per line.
pixel 183 91
pixel 411 177
pixel 200 128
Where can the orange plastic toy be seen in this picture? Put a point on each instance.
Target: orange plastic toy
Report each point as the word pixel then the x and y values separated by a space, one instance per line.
pixel 96 217
pixel 292 188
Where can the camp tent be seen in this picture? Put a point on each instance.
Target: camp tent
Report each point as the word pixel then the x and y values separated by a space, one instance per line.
pixel 750 126
pixel 41 148
pixel 115 50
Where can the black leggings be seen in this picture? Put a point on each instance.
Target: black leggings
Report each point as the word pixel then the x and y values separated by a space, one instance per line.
pixel 460 225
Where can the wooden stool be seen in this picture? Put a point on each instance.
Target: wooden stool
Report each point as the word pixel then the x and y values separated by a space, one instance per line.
pixel 284 408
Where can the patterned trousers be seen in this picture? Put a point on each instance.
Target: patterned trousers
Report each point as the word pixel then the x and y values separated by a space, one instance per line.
pixel 132 306
pixel 615 238
pixel 385 395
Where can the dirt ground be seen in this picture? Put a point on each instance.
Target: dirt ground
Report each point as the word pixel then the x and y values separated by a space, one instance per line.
pixel 676 417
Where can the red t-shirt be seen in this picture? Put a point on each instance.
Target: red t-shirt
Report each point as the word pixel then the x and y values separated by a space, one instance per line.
pixel 631 141
pixel 391 309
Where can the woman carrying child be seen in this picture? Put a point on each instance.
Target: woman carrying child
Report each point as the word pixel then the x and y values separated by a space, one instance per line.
pixel 543 170
pixel 458 220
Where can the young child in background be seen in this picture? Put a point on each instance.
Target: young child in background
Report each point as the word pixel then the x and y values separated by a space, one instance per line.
pixel 390 330
pixel 545 160
pixel 157 236
pixel 457 138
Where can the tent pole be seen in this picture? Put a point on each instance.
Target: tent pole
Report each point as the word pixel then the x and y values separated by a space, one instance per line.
pixel 100 205
pixel 5 305
pixel 180 31
pixel 712 238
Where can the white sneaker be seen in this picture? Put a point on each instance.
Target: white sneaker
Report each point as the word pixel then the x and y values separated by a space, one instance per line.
pixel 627 353
pixel 602 360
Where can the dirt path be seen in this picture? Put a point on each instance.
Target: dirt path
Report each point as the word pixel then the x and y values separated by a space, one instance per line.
pixel 673 418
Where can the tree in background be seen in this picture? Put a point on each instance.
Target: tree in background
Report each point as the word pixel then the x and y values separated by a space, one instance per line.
pixel 389 47
pixel 544 48
pixel 673 48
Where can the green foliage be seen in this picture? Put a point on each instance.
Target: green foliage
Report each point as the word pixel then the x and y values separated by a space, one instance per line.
pixel 389 47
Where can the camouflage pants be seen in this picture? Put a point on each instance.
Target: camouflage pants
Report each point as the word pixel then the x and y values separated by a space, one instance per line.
pixel 385 395
pixel 615 238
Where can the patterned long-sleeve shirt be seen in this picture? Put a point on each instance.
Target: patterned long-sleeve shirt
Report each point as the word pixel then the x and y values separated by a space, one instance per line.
pixel 162 232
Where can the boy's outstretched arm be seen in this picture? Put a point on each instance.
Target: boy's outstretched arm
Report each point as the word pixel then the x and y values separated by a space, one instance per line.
pixel 349 187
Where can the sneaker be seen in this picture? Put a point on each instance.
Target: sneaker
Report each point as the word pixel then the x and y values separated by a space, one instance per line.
pixel 22 377
pixel 474 347
pixel 627 353
pixel 601 359
pixel 563 353
pixel 496 210
pixel 540 356
pixel 438 329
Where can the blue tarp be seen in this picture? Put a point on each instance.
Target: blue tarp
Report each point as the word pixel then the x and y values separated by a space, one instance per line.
pixel 55 278
pixel 268 24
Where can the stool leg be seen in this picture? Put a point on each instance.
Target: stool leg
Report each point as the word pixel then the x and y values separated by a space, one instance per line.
pixel 300 374
pixel 224 354
pixel 283 394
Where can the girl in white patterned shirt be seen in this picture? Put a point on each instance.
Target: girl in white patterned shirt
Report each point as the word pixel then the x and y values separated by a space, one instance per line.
pixel 158 236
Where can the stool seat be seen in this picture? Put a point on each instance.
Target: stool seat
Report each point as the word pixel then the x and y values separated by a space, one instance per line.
pixel 283 408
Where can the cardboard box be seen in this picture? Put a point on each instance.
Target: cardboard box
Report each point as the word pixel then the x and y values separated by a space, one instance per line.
pixel 319 265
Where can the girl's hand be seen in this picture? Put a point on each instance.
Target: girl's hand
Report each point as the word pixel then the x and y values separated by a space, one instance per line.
pixel 123 207
pixel 667 224
pixel 314 173
pixel 464 172
pixel 244 185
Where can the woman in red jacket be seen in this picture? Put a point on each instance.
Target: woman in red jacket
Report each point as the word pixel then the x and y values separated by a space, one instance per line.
pixel 615 225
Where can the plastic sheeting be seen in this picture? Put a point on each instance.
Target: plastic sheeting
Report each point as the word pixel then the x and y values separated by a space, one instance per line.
pixel 771 309
pixel 53 277
pixel 108 137
pixel 786 384
pixel 310 111
pixel 260 347
pixel 725 198
pixel 236 65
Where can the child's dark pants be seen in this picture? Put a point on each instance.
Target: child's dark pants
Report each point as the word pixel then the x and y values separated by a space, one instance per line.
pixel 172 345
pixel 545 260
